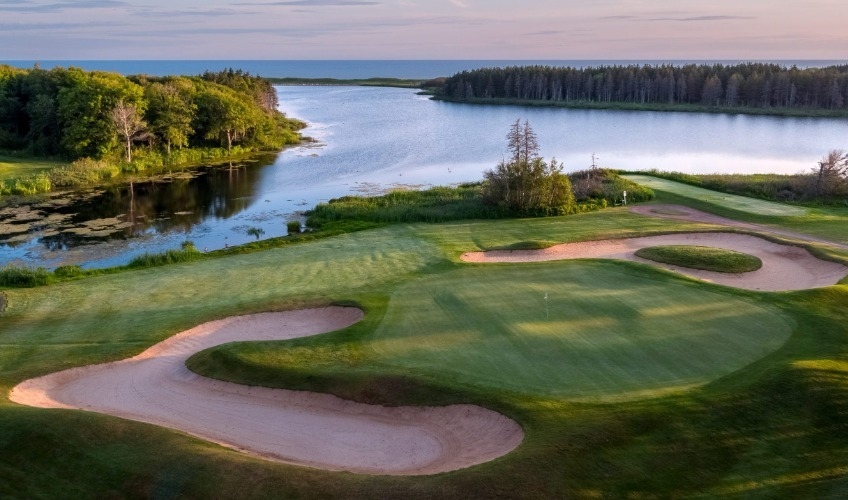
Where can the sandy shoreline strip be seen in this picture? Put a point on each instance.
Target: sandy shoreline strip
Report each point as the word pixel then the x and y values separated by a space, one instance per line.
pixel 305 428
pixel 784 267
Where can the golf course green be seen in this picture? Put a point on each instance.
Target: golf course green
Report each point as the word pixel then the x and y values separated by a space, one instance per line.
pixel 575 330
pixel 627 380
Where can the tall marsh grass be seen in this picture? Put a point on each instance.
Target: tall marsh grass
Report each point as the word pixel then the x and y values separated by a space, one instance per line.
pixel 438 204
pixel 187 253
pixel 23 277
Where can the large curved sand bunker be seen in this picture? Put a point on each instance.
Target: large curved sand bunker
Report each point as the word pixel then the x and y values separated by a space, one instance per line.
pixel 305 428
pixel 784 267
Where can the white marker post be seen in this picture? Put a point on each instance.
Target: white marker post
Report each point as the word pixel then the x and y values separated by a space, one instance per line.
pixel 625 197
pixel 547 316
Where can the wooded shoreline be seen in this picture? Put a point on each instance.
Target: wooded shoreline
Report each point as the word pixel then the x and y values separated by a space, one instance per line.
pixel 749 88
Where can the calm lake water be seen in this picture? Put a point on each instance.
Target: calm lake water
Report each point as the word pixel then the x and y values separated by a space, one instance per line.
pixel 371 139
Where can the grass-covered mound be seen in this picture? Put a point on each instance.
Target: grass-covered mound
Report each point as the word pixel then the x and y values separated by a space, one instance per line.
pixel 699 257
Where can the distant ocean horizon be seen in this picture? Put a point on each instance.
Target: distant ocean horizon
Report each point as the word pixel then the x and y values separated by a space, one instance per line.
pixel 357 69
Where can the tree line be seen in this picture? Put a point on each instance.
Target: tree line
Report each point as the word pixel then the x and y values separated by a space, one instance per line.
pixel 74 114
pixel 747 85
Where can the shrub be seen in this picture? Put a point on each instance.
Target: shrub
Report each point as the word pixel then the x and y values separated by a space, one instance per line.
pixel 23 277
pixel 293 226
pixel 84 171
pixel 68 271
pixel 526 184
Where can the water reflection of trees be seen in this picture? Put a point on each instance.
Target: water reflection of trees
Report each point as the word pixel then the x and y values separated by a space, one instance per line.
pixel 166 205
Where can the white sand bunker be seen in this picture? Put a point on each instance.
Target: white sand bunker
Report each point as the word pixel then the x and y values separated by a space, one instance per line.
pixel 784 267
pixel 305 428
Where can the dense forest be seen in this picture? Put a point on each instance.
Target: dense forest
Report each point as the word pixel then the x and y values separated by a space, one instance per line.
pixel 105 120
pixel 750 85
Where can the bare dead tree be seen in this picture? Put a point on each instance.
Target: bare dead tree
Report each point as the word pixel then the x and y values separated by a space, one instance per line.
pixel 129 125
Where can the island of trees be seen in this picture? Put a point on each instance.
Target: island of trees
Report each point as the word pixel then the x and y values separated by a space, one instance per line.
pixel 104 124
pixel 743 88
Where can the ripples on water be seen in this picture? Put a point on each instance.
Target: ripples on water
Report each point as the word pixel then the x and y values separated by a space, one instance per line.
pixel 374 138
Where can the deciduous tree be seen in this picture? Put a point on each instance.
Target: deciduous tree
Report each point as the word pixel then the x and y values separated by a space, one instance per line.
pixel 226 117
pixel 170 113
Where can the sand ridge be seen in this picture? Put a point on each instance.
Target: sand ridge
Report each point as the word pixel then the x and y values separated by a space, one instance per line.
pixel 317 430
pixel 784 268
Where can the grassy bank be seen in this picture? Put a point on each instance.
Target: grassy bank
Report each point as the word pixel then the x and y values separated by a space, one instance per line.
pixel 761 413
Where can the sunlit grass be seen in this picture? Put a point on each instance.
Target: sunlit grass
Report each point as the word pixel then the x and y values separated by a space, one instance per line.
pixel 12 167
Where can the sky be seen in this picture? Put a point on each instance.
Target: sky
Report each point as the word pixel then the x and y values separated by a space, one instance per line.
pixel 424 29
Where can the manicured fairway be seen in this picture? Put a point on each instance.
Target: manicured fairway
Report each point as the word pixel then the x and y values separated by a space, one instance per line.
pixel 606 331
pixel 731 201
pixel 80 321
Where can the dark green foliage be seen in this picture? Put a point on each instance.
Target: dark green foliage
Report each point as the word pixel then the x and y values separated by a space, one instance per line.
pixel 260 90
pixel 606 185
pixel 23 277
pixel 534 188
pixel 741 87
pixel 293 226
pixel 71 113
pixel 705 258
